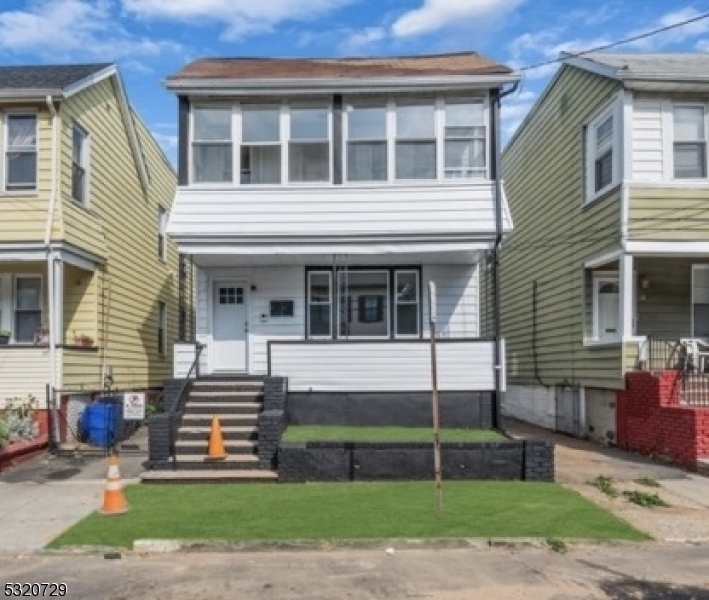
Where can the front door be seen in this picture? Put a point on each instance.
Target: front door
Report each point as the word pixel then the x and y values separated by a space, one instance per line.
pixel 229 323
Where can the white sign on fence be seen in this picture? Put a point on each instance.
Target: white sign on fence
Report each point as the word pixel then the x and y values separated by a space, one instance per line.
pixel 134 406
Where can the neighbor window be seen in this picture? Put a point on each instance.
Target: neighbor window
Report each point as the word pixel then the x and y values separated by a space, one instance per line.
pixel 309 146
pixel 700 301
pixel 211 145
pixel 20 152
pixel 416 141
pixel 464 139
pixel 162 233
pixel 689 148
pixel 602 153
pixel 605 307
pixel 28 307
pixel 162 328
pixel 260 144
pixel 366 143
pixel 79 164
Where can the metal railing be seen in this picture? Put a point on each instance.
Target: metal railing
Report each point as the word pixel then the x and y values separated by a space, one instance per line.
pixel 656 355
pixel 174 410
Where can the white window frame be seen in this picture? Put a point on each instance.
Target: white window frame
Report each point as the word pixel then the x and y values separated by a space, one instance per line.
pixel 239 140
pixel 417 303
pixel 287 139
pixel 311 303
pixel 13 303
pixel 598 279
pixel 384 103
pixel 611 111
pixel 5 149
pixel 486 136
pixel 670 146
pixel 235 160
pixel 695 268
pixel 162 233
pixel 85 156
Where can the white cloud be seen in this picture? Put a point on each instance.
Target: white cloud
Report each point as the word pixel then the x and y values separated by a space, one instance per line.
pixel 239 17
pixel 361 42
pixel 435 15
pixel 676 36
pixel 73 30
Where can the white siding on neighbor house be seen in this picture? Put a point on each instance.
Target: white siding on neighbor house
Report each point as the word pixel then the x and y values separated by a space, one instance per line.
pixel 325 211
pixel 380 367
pixel 457 287
pixel 647 143
pixel 25 371
pixel 183 358
pixel 457 303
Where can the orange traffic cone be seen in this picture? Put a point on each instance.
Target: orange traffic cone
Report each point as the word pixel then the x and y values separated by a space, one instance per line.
pixel 216 450
pixel 114 500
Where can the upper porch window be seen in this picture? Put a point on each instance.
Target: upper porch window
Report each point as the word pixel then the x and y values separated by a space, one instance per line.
pixel 370 140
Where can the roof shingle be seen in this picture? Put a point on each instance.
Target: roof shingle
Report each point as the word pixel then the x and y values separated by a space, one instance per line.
pixel 46 77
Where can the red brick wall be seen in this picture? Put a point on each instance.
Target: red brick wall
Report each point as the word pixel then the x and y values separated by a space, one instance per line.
pixel 650 419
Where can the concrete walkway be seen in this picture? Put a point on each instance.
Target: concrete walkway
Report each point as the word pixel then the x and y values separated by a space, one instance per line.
pixel 45 496
pixel 578 462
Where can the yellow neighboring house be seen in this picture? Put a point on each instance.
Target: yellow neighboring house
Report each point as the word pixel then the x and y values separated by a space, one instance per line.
pixel 89 283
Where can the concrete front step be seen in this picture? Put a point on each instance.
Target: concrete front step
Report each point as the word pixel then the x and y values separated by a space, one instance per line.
pixel 221 397
pixel 232 420
pixel 202 476
pixel 229 432
pixel 231 408
pixel 236 447
pixel 199 462
pixel 227 386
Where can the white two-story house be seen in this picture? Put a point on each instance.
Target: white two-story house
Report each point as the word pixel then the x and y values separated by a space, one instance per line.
pixel 319 197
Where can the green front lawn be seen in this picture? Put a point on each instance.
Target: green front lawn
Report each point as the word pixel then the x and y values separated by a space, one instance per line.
pixel 336 433
pixel 340 511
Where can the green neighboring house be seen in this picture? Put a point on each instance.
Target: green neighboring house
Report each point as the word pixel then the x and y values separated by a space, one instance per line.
pixel 607 269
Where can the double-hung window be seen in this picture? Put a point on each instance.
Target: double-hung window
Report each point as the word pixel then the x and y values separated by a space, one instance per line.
pixel 162 233
pixel 260 144
pixel 603 155
pixel 212 160
pixel 406 315
pixel 603 152
pixel 416 140
pixel 28 307
pixel 319 304
pixel 20 152
pixel 162 328
pixel 79 164
pixel 464 139
pixel 309 146
pixel 690 146
pixel 367 142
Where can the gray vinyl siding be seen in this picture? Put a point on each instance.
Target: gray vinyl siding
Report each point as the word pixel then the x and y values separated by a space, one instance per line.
pixel 555 233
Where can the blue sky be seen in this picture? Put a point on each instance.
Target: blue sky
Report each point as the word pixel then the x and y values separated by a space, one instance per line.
pixel 151 39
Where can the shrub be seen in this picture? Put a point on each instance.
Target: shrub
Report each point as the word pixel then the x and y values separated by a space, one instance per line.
pixel 20 427
pixel 3 433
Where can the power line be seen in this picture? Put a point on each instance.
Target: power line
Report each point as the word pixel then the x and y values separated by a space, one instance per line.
pixel 641 36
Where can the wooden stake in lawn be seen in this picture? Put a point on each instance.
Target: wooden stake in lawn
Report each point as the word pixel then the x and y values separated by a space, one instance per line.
pixel 434 397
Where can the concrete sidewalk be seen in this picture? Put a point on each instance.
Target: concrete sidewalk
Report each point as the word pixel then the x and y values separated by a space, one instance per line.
pixel 41 498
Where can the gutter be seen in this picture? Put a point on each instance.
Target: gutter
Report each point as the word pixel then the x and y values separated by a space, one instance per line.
pixel 51 283
pixel 499 356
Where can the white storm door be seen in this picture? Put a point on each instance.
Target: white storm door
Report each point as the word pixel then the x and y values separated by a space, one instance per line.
pixel 229 326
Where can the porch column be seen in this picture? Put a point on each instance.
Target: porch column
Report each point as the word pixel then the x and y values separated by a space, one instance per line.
pixel 627 295
pixel 58 292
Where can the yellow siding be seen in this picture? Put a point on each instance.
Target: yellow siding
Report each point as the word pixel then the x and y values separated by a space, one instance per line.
pixel 119 225
pixel 24 371
pixel 554 234
pixel 80 304
pixel 668 214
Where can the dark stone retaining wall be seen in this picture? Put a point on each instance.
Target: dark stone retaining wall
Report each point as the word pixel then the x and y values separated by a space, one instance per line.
pixel 528 460
pixel 402 409
pixel 272 420
pixel 159 427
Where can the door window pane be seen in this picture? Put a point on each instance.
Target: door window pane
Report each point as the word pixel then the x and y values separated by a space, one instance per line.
pixel 607 309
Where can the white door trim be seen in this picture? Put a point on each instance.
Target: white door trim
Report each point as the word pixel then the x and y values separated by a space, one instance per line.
pixel 241 282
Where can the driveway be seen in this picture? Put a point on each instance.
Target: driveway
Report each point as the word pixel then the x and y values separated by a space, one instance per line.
pixel 579 462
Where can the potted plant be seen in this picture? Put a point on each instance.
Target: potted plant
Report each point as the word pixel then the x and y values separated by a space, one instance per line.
pixel 85 341
pixel 4 336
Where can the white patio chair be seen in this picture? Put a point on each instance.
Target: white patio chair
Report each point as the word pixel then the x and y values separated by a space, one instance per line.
pixel 698 349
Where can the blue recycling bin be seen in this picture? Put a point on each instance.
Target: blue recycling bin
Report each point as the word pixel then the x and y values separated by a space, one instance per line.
pixel 100 421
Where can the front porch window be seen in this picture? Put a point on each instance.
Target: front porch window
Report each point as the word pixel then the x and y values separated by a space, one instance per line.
pixel 364 303
pixel 28 308
pixel 700 301
pixel 606 306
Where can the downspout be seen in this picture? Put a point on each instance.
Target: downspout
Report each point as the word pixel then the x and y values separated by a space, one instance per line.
pixel 499 232
pixel 54 438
